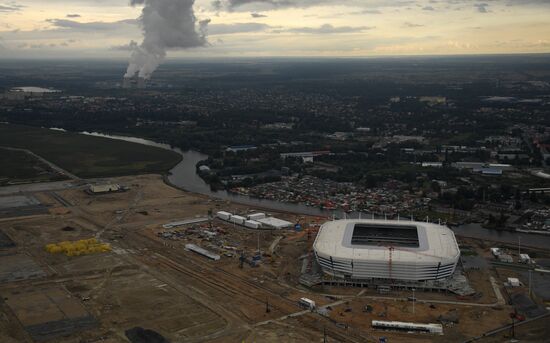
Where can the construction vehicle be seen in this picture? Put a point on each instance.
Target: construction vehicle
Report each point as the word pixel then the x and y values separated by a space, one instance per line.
pixel 515 315
pixel 307 303
pixel 254 262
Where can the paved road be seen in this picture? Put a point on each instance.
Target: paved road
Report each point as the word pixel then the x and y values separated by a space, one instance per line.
pixel 38 187
pixel 432 301
pixel 300 313
pixel 507 327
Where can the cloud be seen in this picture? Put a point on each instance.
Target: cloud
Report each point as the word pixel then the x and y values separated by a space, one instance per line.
pixel 329 29
pixel 73 15
pixel 10 7
pixel 66 24
pixel 257 5
pixel 66 43
pixel 428 8
pixel 482 8
pixel 411 25
pixel 40 46
pixel 365 12
pixel 528 2
pixel 274 3
pixel 124 47
pixel 223 29
pixel 257 15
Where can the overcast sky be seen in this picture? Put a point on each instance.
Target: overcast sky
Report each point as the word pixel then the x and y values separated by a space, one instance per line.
pixel 104 28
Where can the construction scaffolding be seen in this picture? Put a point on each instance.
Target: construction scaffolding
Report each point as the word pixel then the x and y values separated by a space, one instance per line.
pixel 457 283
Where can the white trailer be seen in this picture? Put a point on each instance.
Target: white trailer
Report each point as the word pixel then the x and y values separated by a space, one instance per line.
pixel 252 224
pixel 513 282
pixel 238 220
pixel 524 258
pixel 223 215
pixel 307 303
pixel 275 223
pixel 505 258
pixel 256 216
pixel 408 327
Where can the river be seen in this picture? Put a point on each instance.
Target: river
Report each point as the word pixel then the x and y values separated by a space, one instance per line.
pixel 184 176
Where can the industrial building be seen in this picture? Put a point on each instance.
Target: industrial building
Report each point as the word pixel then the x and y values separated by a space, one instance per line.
pixel 133 82
pixel 254 220
pixel 105 188
pixel 275 223
pixel 22 93
pixel 384 249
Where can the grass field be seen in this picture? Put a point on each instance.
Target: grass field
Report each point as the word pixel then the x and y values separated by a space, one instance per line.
pixel 87 156
pixel 20 167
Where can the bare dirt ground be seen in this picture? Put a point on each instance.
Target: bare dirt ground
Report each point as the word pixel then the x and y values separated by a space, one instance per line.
pixel 149 280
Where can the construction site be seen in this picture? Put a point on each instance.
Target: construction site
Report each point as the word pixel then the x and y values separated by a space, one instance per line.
pixel 157 264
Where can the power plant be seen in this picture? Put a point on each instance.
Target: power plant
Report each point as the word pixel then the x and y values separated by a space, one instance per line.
pixel 133 82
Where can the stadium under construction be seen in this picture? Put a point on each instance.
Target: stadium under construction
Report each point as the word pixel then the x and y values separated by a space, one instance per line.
pixel 387 254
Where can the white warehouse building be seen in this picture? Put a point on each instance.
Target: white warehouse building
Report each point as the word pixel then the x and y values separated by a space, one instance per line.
pixel 386 249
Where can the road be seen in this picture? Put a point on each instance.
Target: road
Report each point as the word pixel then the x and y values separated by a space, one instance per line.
pixel 507 327
pixel 38 187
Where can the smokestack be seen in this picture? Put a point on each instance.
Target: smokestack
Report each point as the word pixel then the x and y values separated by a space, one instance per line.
pixel 126 83
pixel 134 82
pixel 140 83
pixel 166 24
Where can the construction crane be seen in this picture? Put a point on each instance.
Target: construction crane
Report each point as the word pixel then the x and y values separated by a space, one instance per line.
pixel 390 261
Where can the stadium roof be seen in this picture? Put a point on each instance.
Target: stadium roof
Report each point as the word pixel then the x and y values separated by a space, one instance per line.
pixel 372 239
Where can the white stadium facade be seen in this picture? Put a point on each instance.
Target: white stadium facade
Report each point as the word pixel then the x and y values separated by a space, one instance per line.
pixel 386 249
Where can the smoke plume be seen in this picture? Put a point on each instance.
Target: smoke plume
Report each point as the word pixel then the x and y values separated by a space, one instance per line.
pixel 166 24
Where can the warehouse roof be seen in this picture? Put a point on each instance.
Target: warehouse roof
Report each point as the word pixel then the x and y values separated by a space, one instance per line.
pixel 275 222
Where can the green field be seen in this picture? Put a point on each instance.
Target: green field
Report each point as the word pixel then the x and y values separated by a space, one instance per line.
pixel 20 167
pixel 87 156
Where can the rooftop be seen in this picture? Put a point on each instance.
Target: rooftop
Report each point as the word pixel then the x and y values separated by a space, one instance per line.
pixel 371 240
